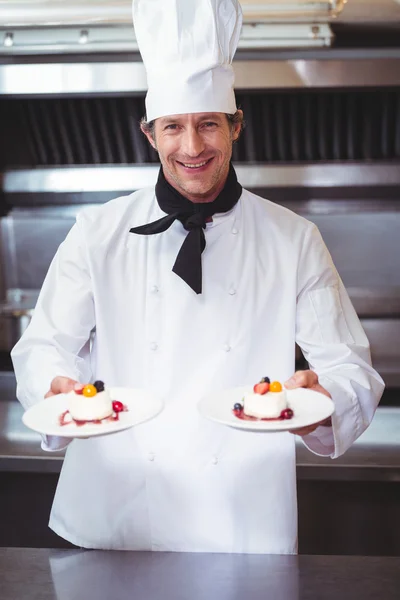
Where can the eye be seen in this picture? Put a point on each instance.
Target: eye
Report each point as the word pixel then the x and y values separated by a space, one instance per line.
pixel 171 126
pixel 210 124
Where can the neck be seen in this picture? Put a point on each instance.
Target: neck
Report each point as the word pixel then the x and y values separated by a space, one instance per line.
pixel 209 196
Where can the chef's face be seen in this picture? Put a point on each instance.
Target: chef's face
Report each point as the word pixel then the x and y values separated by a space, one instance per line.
pixel 195 151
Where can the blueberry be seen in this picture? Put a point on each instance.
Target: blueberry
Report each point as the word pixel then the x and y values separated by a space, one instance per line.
pixel 99 385
pixel 265 380
pixel 238 406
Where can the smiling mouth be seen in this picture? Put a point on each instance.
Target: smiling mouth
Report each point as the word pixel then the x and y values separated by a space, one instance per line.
pixel 195 166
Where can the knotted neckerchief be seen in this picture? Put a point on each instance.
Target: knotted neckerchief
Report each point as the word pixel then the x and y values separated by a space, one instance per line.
pixel 193 217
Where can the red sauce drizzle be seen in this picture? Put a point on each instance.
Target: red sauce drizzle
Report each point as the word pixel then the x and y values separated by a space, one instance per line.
pixel 243 417
pixel 112 418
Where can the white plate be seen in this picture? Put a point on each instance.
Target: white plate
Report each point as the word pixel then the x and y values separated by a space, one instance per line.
pixel 44 416
pixel 309 407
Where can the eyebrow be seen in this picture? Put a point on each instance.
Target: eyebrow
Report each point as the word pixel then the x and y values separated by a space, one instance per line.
pixel 178 118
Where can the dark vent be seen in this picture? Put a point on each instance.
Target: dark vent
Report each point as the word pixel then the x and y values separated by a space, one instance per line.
pixel 320 126
pixel 292 126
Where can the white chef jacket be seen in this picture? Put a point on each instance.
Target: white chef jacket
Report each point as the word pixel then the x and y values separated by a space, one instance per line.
pixel 181 482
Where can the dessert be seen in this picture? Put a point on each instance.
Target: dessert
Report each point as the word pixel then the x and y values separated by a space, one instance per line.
pixel 267 402
pixel 91 404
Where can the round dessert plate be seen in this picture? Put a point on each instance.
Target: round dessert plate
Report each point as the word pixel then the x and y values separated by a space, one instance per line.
pixel 309 407
pixel 44 416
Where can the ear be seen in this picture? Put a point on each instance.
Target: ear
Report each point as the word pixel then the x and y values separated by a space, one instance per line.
pixel 149 137
pixel 237 128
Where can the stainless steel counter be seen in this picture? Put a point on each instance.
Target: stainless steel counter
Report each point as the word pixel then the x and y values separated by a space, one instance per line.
pixel 85 575
pixel 374 457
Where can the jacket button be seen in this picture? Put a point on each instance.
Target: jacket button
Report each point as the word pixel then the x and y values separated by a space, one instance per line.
pixel 227 348
pixel 154 289
pixel 234 231
pixel 151 456
pixel 153 346
pixel 215 460
pixel 232 291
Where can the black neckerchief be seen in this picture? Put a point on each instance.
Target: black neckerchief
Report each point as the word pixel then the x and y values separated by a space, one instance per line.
pixel 193 217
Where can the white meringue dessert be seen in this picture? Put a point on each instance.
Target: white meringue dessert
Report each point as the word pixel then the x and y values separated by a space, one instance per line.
pixel 95 408
pixel 265 406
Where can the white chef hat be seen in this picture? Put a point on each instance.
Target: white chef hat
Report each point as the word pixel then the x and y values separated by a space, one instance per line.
pixel 187 47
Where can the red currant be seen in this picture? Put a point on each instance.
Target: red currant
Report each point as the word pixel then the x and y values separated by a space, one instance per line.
pixel 287 413
pixel 117 406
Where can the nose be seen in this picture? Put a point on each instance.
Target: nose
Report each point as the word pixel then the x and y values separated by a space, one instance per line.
pixel 192 143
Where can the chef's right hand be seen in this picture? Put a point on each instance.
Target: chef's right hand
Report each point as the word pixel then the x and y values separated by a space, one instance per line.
pixel 63 385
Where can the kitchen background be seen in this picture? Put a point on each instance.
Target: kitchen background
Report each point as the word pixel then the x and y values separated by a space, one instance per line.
pixel 319 83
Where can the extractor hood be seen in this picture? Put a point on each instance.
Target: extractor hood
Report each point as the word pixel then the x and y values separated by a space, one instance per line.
pixel 101 26
pixel 42 27
pixel 118 12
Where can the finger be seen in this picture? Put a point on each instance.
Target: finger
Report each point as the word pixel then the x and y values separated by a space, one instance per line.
pixel 306 379
pixel 63 385
pixel 304 430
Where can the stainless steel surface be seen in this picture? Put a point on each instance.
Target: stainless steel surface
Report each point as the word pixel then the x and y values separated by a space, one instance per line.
pixel 28 245
pixel 86 38
pixel 113 77
pixel 17 311
pixel 52 26
pixel 19 302
pixel 359 11
pixel 100 575
pixel 72 78
pixel 56 12
pixel 384 337
pixel 71 40
pixel 28 242
pixel 127 178
pixel 362 239
pixel 20 447
pixel 379 302
pixel 374 457
pixel 292 9
pixel 371 11
pixel 365 247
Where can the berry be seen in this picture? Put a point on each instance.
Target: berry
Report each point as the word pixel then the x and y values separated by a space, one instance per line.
pixel 238 407
pixel 89 391
pixel 265 380
pixel 117 406
pixel 287 413
pixel 261 388
pixel 99 385
pixel 275 387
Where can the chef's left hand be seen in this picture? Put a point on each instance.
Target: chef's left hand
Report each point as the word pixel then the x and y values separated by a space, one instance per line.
pixel 309 380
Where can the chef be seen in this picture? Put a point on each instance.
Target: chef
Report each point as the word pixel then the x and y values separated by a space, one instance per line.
pixel 187 288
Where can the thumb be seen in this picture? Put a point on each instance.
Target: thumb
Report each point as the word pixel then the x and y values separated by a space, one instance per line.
pixel 294 381
pixel 305 379
pixel 63 385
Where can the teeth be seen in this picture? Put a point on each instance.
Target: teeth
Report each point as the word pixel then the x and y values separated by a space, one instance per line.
pixel 195 166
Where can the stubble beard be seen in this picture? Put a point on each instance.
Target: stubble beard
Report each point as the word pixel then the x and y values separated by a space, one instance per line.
pixel 198 194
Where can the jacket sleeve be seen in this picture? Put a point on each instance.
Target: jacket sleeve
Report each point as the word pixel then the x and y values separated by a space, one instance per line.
pixel 57 340
pixel 336 348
